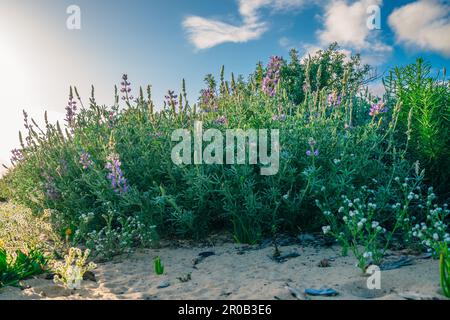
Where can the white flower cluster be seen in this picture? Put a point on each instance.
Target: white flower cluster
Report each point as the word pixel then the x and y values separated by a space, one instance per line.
pixel 70 272
pixel 434 232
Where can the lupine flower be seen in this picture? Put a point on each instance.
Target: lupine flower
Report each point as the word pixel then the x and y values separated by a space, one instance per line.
pixel 17 156
pixel 222 120
pixel 71 112
pixel 208 100
pixel 125 88
pixel 115 175
pixel 272 78
pixel 312 150
pixel 281 117
pixel 171 98
pixel 85 160
pixel 334 99
pixel 376 109
pixel 50 190
pixel 26 124
pixel 306 87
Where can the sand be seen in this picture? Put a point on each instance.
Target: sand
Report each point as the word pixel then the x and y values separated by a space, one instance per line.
pixel 238 272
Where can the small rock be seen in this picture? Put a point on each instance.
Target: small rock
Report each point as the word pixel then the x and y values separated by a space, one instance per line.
pixel 206 254
pixel 324 263
pixel 163 284
pixel 89 276
pixel 49 276
pixel 321 292
pixel 306 237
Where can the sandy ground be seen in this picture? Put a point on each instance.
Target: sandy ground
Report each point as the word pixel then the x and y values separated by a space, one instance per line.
pixel 239 272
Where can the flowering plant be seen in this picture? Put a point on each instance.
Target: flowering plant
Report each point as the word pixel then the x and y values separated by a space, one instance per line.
pixel 70 272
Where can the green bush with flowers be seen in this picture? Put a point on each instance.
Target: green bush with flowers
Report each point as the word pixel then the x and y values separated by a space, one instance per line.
pixel 107 173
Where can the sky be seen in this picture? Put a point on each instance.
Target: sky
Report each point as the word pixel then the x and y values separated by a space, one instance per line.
pixel 161 42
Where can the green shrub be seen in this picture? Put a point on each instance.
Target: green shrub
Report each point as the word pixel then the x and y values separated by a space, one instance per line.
pixel 107 173
pixel 20 266
pixel 424 118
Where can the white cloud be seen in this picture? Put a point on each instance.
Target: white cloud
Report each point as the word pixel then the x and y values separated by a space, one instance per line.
pixel 345 22
pixel 206 33
pixel 423 24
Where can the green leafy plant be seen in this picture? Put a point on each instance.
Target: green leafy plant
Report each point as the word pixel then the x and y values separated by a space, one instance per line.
pixel 108 181
pixel 356 224
pixel 445 272
pixel 158 266
pixel 20 266
pixel 434 235
pixel 424 117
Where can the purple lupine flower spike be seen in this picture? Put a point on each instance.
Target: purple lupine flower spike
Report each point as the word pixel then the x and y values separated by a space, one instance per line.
pixel 85 160
pixel 171 98
pixel 272 78
pixel 126 89
pixel 115 175
pixel 71 112
pixel 376 109
pixel 17 156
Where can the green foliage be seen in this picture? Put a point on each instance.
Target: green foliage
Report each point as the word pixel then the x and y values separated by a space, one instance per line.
pixel 20 229
pixel 424 118
pixel 445 272
pixel 20 266
pixel 360 224
pixel 158 266
pixel 107 173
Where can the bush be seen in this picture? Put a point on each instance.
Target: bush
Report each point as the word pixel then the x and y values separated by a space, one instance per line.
pixel 21 230
pixel 20 266
pixel 108 174
pixel 424 119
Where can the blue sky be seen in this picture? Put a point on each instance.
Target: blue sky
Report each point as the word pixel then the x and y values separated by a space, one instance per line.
pixel 159 42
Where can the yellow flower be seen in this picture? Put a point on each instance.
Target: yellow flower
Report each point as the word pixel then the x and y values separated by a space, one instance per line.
pixel 68 232
pixel 2 243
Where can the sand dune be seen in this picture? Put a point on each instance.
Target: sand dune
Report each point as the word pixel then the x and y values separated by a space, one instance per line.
pixel 238 272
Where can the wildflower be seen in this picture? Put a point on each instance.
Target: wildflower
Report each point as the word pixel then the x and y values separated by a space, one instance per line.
pixel 360 225
pixel 222 120
pixel 376 109
pixel 367 255
pixel 85 160
pixel 375 224
pixel 208 100
pixel 17 156
pixel 71 112
pixel 115 175
pixel 326 229
pixel 334 99
pixel 436 236
pixel 272 78
pixel 68 232
pixel 171 99
pixel 50 190
pixel 125 88
pixel 281 117
pixel 25 121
